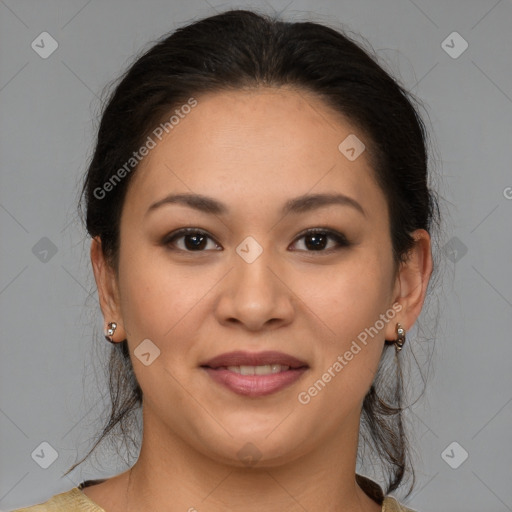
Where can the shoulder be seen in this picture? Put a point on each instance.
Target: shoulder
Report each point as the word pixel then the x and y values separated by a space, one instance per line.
pixel 390 504
pixel 375 492
pixel 73 499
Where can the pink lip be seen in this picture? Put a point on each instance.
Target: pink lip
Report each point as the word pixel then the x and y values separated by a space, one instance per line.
pixel 242 358
pixel 255 385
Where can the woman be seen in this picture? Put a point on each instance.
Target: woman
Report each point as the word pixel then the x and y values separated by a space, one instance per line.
pixel 261 243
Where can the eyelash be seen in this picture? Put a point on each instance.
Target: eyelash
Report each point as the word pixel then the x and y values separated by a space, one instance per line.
pixel 339 238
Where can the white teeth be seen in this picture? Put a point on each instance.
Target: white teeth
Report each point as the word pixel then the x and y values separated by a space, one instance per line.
pixel 258 370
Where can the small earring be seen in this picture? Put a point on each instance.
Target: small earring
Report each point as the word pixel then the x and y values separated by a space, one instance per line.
pixel 399 342
pixel 112 326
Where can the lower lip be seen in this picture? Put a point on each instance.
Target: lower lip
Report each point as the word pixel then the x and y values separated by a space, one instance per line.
pixel 255 385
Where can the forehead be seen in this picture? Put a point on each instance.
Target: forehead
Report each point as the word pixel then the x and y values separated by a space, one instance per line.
pixel 257 143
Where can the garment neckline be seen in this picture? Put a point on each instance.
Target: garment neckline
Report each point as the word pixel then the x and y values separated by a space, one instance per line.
pixel 371 488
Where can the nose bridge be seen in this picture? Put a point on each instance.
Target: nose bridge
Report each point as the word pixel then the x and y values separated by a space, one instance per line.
pixel 252 269
pixel 253 278
pixel 254 295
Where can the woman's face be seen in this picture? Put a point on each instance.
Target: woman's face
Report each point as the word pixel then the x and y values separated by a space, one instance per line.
pixel 256 281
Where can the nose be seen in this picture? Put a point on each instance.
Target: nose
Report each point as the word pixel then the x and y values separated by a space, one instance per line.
pixel 255 295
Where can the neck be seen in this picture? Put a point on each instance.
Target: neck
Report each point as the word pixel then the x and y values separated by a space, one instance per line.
pixel 173 476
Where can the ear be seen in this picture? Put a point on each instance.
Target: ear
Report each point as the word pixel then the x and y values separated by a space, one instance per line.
pixel 411 283
pixel 108 293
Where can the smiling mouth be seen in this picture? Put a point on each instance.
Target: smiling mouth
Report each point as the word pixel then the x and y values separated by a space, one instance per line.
pixel 241 358
pixel 255 381
pixel 267 369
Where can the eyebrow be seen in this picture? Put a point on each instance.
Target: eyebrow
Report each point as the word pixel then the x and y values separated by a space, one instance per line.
pixel 301 204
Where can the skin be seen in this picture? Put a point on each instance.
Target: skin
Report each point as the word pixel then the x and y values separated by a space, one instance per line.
pixel 253 151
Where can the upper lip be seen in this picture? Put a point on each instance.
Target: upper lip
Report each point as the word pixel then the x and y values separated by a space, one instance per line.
pixel 241 358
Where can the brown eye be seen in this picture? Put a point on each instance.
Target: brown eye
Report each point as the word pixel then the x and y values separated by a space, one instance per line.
pixel 194 240
pixel 317 240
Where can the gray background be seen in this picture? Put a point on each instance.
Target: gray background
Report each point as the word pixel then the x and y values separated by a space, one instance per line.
pixel 48 302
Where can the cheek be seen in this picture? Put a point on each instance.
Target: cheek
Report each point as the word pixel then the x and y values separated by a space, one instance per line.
pixel 162 304
pixel 348 303
pixel 166 303
pixel 154 295
pixel 349 296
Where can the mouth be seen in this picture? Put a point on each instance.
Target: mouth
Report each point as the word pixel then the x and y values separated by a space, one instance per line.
pixel 241 358
pixel 255 374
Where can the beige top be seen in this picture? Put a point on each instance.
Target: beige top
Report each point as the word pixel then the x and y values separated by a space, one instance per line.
pixel 76 500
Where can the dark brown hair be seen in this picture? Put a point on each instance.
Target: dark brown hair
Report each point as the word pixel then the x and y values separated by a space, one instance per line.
pixel 242 49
